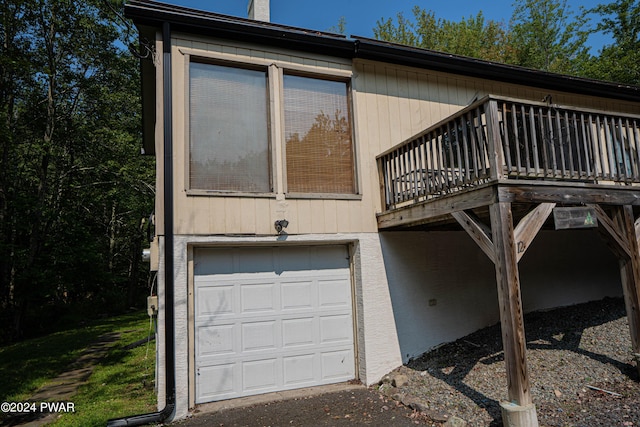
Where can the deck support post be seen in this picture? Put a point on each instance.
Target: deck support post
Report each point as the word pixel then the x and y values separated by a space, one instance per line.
pixel 620 233
pixel 519 411
pixel 630 275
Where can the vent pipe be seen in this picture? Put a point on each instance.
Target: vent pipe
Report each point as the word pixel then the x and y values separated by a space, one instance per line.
pixel 259 10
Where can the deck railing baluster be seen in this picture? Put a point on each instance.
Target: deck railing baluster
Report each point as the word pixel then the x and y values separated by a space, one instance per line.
pixel 636 140
pixel 548 142
pixel 569 145
pixel 465 149
pixel 516 142
pixel 482 143
pixel 458 165
pixel 472 143
pixel 504 130
pixel 580 157
pixel 423 190
pixel 414 152
pixel 612 150
pixel 586 144
pixel 627 155
pixel 560 144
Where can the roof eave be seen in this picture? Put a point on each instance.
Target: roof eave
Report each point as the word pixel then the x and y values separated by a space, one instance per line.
pixel 472 67
pixel 214 25
pixel 192 21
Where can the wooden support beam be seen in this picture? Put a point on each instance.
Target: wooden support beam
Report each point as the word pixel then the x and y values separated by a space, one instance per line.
pixel 637 227
pixel 529 226
pixel 567 193
pixel 429 211
pixel 511 316
pixel 630 274
pixel 612 237
pixel 478 231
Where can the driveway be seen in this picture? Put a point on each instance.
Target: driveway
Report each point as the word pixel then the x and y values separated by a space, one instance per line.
pixel 336 405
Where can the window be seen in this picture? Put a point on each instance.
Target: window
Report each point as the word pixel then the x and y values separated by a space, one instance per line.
pixel 318 137
pixel 229 132
pixel 231 140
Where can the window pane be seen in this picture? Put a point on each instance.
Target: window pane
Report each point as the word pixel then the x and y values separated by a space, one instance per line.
pixel 229 136
pixel 318 136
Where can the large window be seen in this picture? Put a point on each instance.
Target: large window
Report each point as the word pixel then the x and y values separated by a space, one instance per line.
pixel 232 144
pixel 318 137
pixel 229 132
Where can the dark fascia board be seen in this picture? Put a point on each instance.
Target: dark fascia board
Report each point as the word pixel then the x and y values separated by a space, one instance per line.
pixel 193 21
pixel 153 14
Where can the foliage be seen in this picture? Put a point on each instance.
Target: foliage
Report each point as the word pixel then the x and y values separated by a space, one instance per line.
pixel 73 187
pixel 473 36
pixel 619 61
pixel 340 27
pixel 542 34
pixel 546 36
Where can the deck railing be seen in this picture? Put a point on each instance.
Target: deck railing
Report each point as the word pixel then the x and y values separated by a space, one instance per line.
pixel 500 138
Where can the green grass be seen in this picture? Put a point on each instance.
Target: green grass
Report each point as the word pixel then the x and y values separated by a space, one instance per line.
pixel 121 383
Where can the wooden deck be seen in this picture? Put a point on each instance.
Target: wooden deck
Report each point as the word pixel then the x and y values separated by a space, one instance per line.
pixel 501 149
pixel 498 169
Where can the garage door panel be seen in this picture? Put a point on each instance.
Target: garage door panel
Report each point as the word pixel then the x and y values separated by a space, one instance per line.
pixel 216 381
pixel 213 261
pixel 297 295
pixel 300 370
pixel 254 260
pixel 336 329
pixel 257 297
pixel 337 365
pixel 260 375
pixel 298 332
pixel 334 293
pixel 259 331
pixel 215 300
pixel 293 259
pixel 329 258
pixel 258 336
pixel 216 340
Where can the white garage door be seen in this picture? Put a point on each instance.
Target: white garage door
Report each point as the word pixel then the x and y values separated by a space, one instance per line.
pixel 270 319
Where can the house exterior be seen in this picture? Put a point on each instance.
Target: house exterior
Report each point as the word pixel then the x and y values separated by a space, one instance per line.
pixel 280 263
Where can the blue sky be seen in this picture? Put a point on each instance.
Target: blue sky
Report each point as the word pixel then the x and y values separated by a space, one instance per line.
pixel 361 15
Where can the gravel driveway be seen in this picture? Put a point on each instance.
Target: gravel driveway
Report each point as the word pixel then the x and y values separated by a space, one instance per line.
pixel 580 362
pixel 569 351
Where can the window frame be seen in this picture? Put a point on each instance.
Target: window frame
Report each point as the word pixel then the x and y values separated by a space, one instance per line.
pixel 350 109
pixel 275 71
pixel 269 124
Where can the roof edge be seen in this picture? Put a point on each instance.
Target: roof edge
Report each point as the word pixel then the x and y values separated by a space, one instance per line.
pixel 192 21
pixel 439 61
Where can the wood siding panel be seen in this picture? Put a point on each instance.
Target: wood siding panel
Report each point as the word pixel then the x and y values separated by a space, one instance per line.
pixel 262 224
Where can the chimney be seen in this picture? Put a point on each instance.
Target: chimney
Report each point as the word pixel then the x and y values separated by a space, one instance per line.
pixel 259 10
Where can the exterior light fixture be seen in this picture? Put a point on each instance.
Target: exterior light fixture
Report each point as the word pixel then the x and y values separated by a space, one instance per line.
pixel 280 225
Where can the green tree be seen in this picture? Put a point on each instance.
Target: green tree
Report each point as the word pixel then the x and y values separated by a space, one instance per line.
pixel 619 61
pixel 340 27
pixel 542 34
pixel 546 35
pixel 402 32
pixel 72 185
pixel 473 36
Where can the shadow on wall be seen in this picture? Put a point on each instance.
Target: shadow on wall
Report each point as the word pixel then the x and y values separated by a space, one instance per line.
pixel 442 286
